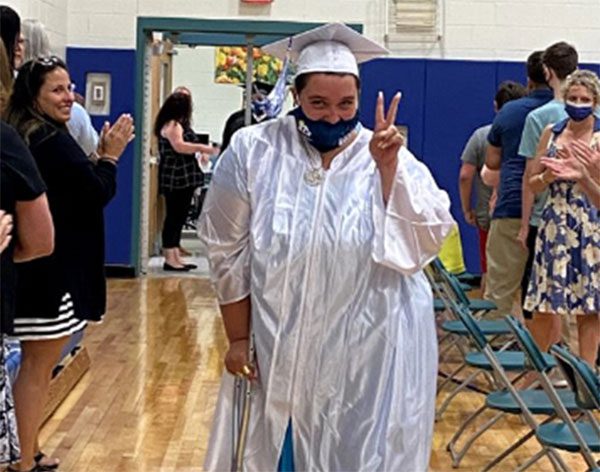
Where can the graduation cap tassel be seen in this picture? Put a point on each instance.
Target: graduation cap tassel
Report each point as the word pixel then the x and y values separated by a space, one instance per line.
pixel 271 106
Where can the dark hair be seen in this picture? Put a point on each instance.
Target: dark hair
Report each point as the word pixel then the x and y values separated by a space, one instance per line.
pixel 535 68
pixel 507 91
pixel 301 81
pixel 562 58
pixel 10 30
pixel 21 112
pixel 262 87
pixel 178 107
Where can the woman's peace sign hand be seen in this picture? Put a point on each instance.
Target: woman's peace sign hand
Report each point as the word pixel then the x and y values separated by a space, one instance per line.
pixel 386 140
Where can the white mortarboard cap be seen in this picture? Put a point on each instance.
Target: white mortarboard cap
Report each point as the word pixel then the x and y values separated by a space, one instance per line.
pixel 330 48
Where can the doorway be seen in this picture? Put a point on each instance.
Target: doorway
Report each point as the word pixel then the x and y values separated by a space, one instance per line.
pixel 156 44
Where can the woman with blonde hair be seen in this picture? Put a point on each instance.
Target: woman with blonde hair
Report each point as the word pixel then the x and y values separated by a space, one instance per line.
pixel 565 278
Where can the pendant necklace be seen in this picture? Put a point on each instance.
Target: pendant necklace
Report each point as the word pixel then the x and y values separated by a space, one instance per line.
pixel 315 175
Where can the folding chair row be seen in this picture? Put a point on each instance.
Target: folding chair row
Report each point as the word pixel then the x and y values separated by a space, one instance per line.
pixel 445 287
pixel 581 434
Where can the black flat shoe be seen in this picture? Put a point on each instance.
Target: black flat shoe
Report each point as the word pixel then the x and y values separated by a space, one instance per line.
pixel 170 268
pixel 35 468
pixel 191 266
pixel 39 457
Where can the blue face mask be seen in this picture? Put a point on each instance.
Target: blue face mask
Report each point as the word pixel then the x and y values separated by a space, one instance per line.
pixel 322 135
pixel 578 112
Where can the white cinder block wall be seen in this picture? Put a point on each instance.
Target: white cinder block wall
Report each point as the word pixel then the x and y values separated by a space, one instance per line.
pixel 511 29
pixel 469 29
pixel 478 29
pixel 53 13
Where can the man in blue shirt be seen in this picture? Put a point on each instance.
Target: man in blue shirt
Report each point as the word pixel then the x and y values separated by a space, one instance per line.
pixel 505 255
pixel 473 158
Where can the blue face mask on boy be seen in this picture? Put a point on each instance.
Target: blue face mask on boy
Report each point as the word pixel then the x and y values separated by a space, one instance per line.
pixel 322 135
pixel 578 112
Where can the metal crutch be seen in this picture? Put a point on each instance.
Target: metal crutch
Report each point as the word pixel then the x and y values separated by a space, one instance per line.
pixel 242 402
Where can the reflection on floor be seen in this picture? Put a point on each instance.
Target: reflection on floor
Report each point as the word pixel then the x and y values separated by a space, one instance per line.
pixel 146 403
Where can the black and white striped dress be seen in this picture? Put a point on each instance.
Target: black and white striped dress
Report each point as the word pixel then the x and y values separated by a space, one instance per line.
pixel 58 294
pixel 65 324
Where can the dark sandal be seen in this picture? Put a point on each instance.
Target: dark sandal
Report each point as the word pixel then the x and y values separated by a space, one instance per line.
pixel 35 468
pixel 40 457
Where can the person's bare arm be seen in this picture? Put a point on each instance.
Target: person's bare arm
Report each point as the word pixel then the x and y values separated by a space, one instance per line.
pixel 493 157
pixel 34 229
pixel 527 201
pixel 465 185
pixel 173 131
pixel 592 189
pixel 539 177
pixel 236 318
pixel 490 177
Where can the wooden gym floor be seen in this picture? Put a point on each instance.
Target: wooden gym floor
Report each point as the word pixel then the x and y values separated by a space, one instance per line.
pixel 146 403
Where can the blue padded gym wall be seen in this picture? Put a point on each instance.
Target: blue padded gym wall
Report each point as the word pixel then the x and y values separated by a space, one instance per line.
pixel 120 64
pixel 443 102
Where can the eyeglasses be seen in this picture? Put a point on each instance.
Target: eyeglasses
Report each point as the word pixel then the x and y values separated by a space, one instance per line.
pixel 47 64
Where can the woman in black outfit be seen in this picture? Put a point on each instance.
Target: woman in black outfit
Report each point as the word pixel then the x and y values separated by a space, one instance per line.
pixel 28 236
pixel 179 172
pixel 57 295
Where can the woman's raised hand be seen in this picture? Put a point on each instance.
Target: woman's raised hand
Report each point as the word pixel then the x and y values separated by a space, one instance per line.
pixel 567 167
pixel 114 139
pixel 386 140
pixel 589 157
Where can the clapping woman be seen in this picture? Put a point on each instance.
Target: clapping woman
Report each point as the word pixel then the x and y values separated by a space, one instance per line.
pixel 566 271
pixel 59 294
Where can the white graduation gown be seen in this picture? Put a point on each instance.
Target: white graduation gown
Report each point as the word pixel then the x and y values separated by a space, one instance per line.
pixel 342 314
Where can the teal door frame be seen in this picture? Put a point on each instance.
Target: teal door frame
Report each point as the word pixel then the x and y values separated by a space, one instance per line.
pixel 204 32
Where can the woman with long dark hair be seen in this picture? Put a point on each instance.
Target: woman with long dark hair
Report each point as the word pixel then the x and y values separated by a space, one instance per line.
pixel 179 171
pixel 59 294
pixel 10 31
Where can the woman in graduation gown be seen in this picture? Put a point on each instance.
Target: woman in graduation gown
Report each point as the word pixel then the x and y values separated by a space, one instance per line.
pixel 317 230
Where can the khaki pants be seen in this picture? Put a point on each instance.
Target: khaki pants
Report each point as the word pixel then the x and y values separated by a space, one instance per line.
pixel 506 260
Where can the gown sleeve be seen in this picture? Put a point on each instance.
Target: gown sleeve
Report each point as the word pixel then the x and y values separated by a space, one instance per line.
pixel 409 232
pixel 224 226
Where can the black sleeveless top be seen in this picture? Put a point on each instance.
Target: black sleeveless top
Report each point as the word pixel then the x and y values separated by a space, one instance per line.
pixel 178 171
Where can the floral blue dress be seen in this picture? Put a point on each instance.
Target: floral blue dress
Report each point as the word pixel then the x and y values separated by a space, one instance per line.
pixel 9 442
pixel 565 278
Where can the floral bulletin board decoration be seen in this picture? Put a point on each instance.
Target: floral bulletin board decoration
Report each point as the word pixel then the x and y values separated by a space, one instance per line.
pixel 230 66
